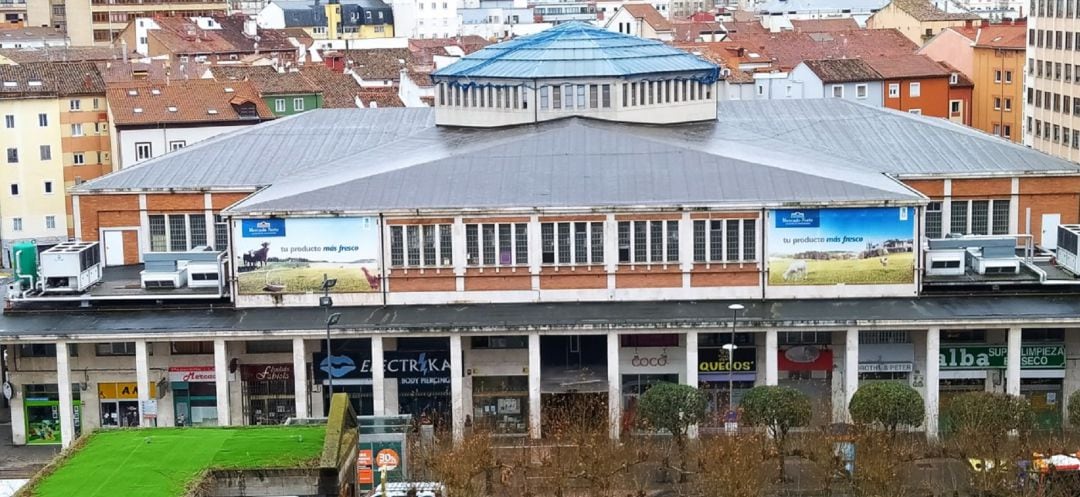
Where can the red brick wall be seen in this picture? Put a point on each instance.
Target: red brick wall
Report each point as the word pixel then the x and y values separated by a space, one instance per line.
pixel 982 188
pixel 98 211
pixel 732 275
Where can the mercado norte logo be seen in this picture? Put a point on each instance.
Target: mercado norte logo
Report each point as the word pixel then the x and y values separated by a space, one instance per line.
pixel 1049 356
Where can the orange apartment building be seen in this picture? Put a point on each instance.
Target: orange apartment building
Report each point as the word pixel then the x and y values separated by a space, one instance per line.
pixel 915 84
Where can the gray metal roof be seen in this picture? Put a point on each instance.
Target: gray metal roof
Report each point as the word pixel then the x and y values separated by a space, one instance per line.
pixel 888 141
pixel 980 310
pixel 385 159
pixel 567 163
pixel 574 50
pixel 821 5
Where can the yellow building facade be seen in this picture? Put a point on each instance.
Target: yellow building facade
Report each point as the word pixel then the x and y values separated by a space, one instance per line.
pixel 84 136
pixel 998 98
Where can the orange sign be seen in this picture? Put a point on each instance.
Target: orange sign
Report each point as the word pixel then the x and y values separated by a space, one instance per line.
pixel 363 468
pixel 387 459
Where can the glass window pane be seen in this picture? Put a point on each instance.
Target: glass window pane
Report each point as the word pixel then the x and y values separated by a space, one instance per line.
pixel 488 241
pixel 641 237
pixel 564 242
pixel 732 239
pixel 624 241
pixel 157 234
pixel 598 243
pixel 506 255
pixel 413 243
pixel 547 243
pixel 177 233
pixel 958 218
pixel 1001 217
pixel 749 239
pixel 446 245
pixel 521 240
pixel 198 229
pixel 699 241
pixel 980 217
pixel 397 246
pixel 472 244
pixel 656 239
pixel 716 240
pixel 429 244
pixel 672 239
pixel 581 243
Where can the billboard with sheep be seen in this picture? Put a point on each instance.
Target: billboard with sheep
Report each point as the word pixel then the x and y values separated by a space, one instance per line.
pixel 291 255
pixel 865 246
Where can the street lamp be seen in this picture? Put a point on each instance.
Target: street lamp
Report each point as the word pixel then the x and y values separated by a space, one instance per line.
pixel 730 346
pixel 331 319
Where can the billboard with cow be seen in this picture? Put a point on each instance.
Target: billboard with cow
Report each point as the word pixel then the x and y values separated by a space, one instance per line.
pixel 863 246
pixel 291 255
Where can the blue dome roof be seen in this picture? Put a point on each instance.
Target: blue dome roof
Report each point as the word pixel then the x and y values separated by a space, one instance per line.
pixel 576 50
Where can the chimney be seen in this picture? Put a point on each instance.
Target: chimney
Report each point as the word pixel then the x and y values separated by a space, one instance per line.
pixel 251 28
pixel 123 46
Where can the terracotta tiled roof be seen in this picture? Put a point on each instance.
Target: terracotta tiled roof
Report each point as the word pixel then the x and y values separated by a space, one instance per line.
pixel 1005 36
pixel 790 48
pixel 824 25
pixel 962 80
pixel 339 90
pixel 843 70
pixel 185 101
pixel 380 64
pixel 182 35
pixel 380 97
pixel 430 101
pixel 746 27
pixel 54 54
pixel 727 54
pixel 690 31
pixel 907 66
pixel 421 78
pixel 116 71
pixel 46 79
pixel 649 14
pixel 266 79
pixel 923 10
pixel 425 50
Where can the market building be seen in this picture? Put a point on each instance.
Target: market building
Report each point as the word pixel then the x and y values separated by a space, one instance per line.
pixel 484 266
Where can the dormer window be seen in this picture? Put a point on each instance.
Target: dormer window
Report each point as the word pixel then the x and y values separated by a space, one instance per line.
pixel 954 79
pixel 246 109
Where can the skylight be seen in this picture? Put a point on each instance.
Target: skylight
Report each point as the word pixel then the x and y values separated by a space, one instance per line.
pixel 137 110
pixel 172 109
pixel 212 112
pixel 133 93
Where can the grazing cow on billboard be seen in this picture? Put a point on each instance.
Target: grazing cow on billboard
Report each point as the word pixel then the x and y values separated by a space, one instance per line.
pixel 795 270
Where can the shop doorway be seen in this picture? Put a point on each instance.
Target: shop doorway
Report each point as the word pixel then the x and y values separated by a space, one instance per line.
pixel 268 393
pixel 1045 396
pixel 119 413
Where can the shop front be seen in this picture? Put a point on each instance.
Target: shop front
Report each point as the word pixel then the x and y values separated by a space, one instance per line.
pixel 120 403
pixel 724 379
pixel 268 393
pixel 886 361
pixel 194 395
pixel 644 361
pixel 423 383
pixel 808 369
pixel 501 404
pixel 967 368
pixel 41 407
pixel 350 366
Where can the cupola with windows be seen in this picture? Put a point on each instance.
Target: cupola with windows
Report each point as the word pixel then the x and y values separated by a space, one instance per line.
pixel 576 69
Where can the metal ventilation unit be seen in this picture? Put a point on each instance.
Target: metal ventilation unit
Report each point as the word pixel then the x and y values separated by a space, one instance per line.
pixel 70 267
pixel 1067 249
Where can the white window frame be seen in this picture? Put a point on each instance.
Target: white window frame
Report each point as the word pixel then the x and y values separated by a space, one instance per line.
pixel 862 91
pixel 399 239
pixel 188 242
pixel 76 129
pixel 50 222
pixel 837 87
pixel 48 188
pixel 148 147
pixel 78 158
pixel 954 79
pixel 74 104
pixel 741 223
pixel 557 247
pixel 894 90
pixel 279 105
pixel 914 89
pixel 16 224
pixel 43 120
pixel 969 221
pixel 477 260
pixel 917 112
pixel 664 257
pixel 177 145
pixel 298 104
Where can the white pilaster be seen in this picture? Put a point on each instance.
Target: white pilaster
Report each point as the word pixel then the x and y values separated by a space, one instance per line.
pixel 534 385
pixel 614 386
pixel 378 377
pixel 851 367
pixel 946 207
pixel 142 379
pixel 456 378
pixel 63 385
pixel 692 369
pixel 221 380
pixel 772 351
pixel 1012 365
pixel 299 361
pixel 933 367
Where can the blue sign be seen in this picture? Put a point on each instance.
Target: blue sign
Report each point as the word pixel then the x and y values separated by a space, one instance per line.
pixel 338 366
pixel 255 228
pixel 804 218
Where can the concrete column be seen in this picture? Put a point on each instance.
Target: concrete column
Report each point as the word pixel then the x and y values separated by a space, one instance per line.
pixel 692 370
pixel 456 378
pixel 142 379
pixel 614 386
pixel 299 365
pixel 534 386
pixel 378 377
pixel 1012 373
pixel 63 385
pixel 933 367
pixel 772 351
pixel 851 367
pixel 1072 372
pixel 221 380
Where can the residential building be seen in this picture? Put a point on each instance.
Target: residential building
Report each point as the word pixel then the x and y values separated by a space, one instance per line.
pixel 55 134
pixel 1052 105
pixel 919 20
pixel 607 8
pixel 961 98
pixel 781 15
pixel 232 39
pixel 641 19
pixel 851 79
pixel 334 20
pixel 545 260
pixel 915 84
pixel 57 54
pixel 789 48
pixel 98 22
pixel 996 10
pixel 560 11
pixel 13 13
pixel 992 57
pixel 152 118
pixel 32 37
pixel 681 9
pixel 426 19
pixel 499 20
pixel 285 92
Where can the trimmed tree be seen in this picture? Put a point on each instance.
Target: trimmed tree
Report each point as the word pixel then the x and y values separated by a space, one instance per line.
pixel 778 409
pixel 889 404
pixel 982 428
pixel 673 408
pixel 1074 410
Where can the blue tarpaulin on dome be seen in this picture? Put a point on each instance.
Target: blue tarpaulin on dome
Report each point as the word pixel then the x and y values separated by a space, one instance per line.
pixel 578 50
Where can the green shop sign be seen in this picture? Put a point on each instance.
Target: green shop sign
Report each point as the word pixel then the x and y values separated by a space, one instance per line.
pixel 994 357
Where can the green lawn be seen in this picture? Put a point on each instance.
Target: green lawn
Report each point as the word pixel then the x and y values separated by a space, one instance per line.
pixel 901 269
pixel 303 278
pixel 163 462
